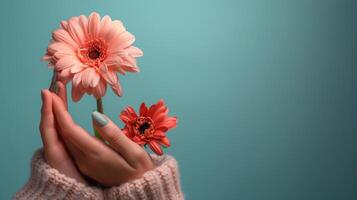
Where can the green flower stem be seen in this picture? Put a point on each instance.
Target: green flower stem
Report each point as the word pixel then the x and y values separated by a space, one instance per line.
pixel 53 86
pixel 99 109
pixel 100 105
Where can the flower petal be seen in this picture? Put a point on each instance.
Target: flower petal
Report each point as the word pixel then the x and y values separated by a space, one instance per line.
pixel 143 109
pixel 131 111
pixel 117 89
pixel 134 51
pixel 76 31
pixel 77 92
pixel 117 24
pixel 60 35
pixel 64 24
pixel 87 76
pixel 47 57
pixel 168 123
pixel 105 26
pixel 159 134
pixel 137 140
pixel 124 117
pixel 128 114
pixel 77 79
pixel 50 59
pixel 151 110
pixel 117 69
pixel 114 63
pixel 162 128
pixel 124 40
pixel 100 90
pixel 76 69
pixel 64 52
pixel 93 24
pixel 95 80
pixel 159 112
pixel 59 46
pixel 110 76
pixel 159 118
pixel 65 62
pixel 164 141
pixel 83 22
pixel 155 147
pixel 129 64
pixel 130 68
pixel 116 28
pixel 156 108
pixel 65 74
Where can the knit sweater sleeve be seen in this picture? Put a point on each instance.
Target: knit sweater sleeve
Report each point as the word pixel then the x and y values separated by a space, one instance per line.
pixel 46 183
pixel 161 183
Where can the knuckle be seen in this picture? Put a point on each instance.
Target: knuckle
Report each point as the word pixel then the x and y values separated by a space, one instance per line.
pixel 51 150
pixel 114 139
pixel 139 154
pixel 95 156
pixel 40 127
pixel 46 122
pixel 65 130
pixel 139 157
pixel 44 129
pixel 68 127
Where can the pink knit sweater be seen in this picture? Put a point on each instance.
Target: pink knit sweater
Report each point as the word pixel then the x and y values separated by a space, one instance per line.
pixel 47 183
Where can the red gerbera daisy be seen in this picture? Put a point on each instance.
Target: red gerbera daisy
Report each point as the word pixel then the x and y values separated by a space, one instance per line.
pixel 150 126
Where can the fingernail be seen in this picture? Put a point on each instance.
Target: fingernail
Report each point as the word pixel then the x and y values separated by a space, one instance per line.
pixel 42 94
pixel 99 118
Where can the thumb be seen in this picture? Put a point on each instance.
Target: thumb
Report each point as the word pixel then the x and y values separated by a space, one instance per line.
pixel 115 137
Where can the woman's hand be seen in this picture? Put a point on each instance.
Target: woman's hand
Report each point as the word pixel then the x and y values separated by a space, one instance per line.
pixel 121 161
pixel 54 149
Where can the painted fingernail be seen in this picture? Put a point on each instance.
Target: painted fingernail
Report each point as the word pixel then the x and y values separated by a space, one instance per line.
pixel 99 118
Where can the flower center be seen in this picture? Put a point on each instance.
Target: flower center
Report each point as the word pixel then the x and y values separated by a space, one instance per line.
pixel 93 52
pixel 144 126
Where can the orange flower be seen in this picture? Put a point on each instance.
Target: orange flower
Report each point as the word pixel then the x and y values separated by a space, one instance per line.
pixel 150 126
pixel 90 51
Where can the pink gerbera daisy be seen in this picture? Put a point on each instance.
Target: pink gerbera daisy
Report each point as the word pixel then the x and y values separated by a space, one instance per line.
pixel 150 126
pixel 90 51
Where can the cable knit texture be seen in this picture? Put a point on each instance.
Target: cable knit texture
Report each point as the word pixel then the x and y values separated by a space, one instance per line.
pixel 47 183
pixel 162 183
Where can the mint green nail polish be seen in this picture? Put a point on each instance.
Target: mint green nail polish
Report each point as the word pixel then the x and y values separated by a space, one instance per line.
pixel 99 118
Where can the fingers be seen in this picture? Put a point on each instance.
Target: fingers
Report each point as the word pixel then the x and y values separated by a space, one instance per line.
pixel 62 93
pixel 69 130
pixel 47 125
pixel 130 151
pixel 74 151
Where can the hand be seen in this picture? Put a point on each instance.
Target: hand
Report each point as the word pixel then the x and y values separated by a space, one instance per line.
pixel 54 149
pixel 121 161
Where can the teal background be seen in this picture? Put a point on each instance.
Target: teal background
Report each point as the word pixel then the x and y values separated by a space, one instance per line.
pixel 265 91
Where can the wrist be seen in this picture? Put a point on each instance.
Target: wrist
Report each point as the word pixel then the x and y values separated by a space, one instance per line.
pixel 162 182
pixel 46 183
